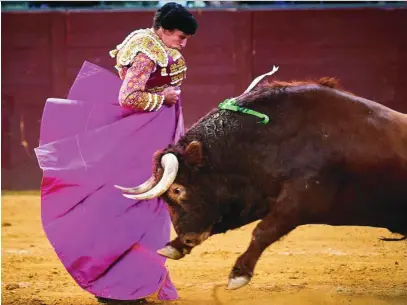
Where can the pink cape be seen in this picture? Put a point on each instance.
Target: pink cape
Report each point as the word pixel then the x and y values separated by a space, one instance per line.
pixel 88 143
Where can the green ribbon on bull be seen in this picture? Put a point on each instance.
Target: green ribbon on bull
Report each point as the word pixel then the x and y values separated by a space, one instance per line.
pixel 230 103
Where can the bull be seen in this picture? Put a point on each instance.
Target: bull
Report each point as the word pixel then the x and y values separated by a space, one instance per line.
pixel 326 157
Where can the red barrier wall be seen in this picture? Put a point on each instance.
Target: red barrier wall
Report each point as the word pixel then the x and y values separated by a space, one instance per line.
pixel 42 52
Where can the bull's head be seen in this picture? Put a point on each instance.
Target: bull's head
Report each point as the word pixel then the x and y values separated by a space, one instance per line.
pixel 178 179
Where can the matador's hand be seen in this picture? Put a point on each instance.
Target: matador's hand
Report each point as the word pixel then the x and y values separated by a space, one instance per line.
pixel 171 95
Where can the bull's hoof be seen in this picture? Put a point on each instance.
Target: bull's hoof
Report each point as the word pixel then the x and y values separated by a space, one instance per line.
pixel 170 252
pixel 238 282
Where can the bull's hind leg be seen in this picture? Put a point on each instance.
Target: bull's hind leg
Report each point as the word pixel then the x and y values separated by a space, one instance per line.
pixel 293 204
pixel 404 237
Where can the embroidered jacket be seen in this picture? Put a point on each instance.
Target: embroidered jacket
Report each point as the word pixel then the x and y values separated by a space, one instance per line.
pixel 147 67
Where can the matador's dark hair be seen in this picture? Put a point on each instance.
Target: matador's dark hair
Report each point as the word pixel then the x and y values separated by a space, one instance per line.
pixel 173 16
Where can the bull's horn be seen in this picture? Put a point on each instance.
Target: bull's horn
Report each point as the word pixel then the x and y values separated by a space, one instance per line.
pixel 170 164
pixel 170 252
pixel 142 188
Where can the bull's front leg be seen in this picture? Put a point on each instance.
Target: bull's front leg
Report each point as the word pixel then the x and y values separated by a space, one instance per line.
pixel 282 218
pixel 306 198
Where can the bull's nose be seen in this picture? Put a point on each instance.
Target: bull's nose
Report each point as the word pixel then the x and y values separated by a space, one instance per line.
pixel 190 242
pixel 194 239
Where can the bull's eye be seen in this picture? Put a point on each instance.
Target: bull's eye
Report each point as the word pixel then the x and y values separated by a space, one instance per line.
pixel 177 192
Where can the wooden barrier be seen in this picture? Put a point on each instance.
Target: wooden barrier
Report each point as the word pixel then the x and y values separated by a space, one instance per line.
pixel 42 52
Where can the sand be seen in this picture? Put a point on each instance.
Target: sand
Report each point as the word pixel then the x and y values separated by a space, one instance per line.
pixel 314 264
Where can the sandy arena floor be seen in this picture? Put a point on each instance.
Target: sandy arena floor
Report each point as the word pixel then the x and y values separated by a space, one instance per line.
pixel 312 265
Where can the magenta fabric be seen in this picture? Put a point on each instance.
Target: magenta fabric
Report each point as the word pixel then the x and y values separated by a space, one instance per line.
pixel 88 143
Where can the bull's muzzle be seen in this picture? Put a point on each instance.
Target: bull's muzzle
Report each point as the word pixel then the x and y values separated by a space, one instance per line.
pixel 182 245
pixel 194 239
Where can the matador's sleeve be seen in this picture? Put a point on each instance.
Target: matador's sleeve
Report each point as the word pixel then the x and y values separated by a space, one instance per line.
pixel 132 92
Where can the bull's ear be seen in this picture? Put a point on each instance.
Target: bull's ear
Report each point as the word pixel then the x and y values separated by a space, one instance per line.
pixel 193 154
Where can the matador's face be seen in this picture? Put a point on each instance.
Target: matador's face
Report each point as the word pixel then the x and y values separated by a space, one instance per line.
pixel 175 39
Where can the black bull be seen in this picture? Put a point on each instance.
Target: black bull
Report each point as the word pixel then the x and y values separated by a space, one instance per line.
pixel 325 157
